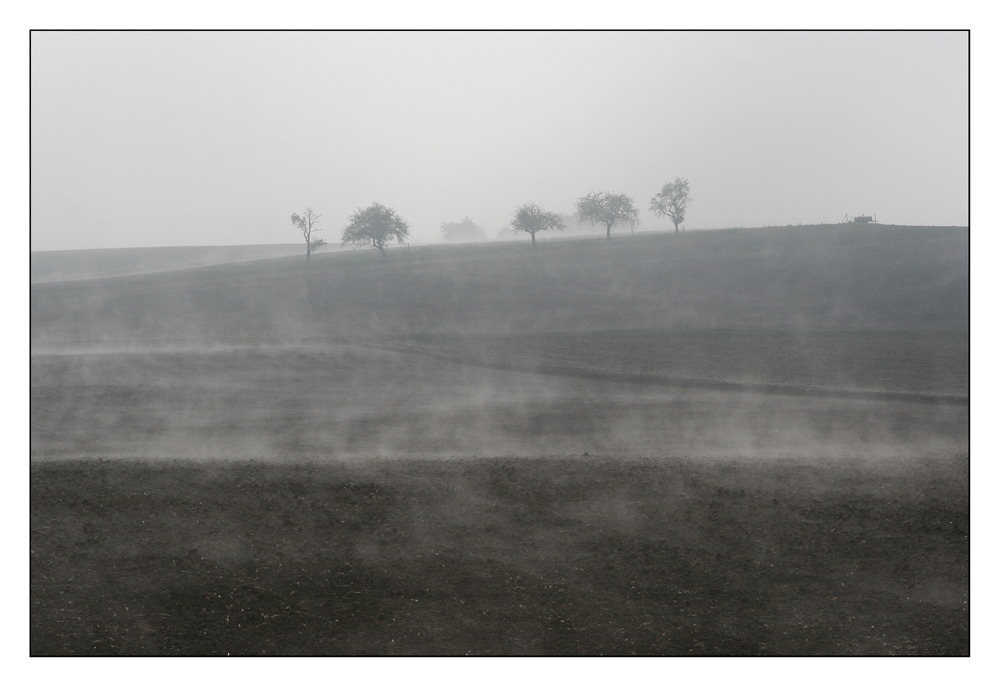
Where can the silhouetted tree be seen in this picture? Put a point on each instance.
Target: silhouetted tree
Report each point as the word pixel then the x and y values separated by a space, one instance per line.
pixel 306 223
pixel 466 230
pixel 607 209
pixel 375 225
pixel 531 218
pixel 672 201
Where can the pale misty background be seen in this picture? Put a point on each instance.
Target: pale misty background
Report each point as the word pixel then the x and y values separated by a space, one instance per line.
pixel 172 139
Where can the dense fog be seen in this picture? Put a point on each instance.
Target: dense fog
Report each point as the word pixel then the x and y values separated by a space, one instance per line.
pixel 180 139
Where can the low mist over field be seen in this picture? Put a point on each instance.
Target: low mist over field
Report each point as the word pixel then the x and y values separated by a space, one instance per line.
pixel 667 444
pixel 405 344
pixel 708 343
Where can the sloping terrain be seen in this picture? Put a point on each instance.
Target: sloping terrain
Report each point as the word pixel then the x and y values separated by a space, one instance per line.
pixel 919 365
pixel 73 265
pixel 330 402
pixel 833 277
pixel 741 442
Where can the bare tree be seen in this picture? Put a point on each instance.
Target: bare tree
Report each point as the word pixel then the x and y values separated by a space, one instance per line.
pixel 531 218
pixel 607 209
pixel 672 201
pixel 306 223
pixel 375 225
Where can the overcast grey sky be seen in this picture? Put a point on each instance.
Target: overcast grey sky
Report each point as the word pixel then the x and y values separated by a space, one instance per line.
pixel 167 139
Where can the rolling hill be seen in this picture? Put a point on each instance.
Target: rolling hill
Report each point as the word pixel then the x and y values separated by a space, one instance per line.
pixel 72 265
pixel 834 277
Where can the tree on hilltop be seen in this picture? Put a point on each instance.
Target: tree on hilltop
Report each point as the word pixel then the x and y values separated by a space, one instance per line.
pixel 306 223
pixel 607 209
pixel 531 218
pixel 375 225
pixel 672 201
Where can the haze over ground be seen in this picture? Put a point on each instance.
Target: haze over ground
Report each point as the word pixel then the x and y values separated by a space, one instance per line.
pixel 171 139
pixel 206 227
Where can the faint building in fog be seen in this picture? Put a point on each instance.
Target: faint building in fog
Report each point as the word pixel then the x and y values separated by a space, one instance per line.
pixel 459 232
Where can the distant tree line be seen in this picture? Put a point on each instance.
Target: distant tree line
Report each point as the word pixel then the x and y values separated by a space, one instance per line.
pixel 378 225
pixel 608 209
pixel 375 225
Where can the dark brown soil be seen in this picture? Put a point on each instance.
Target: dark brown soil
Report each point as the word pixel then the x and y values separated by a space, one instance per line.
pixel 837 357
pixel 551 556
pixel 302 403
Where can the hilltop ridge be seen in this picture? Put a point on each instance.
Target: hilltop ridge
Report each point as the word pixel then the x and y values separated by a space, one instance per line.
pixel 799 278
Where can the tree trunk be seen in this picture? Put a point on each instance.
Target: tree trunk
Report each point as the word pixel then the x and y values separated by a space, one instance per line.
pixel 380 250
pixel 676 229
pixel 532 238
pixel 308 250
pixel 609 232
